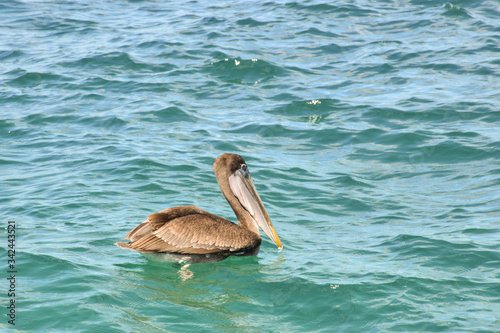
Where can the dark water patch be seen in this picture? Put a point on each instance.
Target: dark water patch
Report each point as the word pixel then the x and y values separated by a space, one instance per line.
pixel 184 55
pixel 226 145
pixel 36 79
pixel 83 29
pixel 455 213
pixel 151 188
pixel 11 54
pixel 275 130
pixel 9 162
pixel 401 56
pixel 318 32
pixel 445 67
pixel 384 46
pixel 483 70
pixel 451 152
pixel 15 6
pixel 145 163
pixel 407 311
pixel 212 21
pixel 215 35
pixel 58 25
pixel 167 115
pixel 461 261
pixel 338 86
pixel 290 174
pixel 159 44
pixel 304 110
pixel 490 117
pixel 324 8
pixel 395 27
pixel 53 265
pixel 371 135
pixel 452 10
pixel 348 181
pixel 111 123
pixel 21 135
pixel 348 309
pixel 342 10
pixel 405 141
pixel 414 102
pixel 15 73
pixel 323 136
pixel 36 119
pixel 401 118
pixel 250 22
pixel 480 231
pixel 477 69
pixel 459 135
pixel 87 97
pixel 331 136
pixel 275 299
pixel 465 111
pixel 489 47
pixel 122 86
pixel 17 98
pixel 117 63
pixel 398 80
pixel 284 97
pixel 394 217
pixel 331 48
pixel 351 204
pixel 436 253
pixel 367 71
pixel 68 283
pixel 6 125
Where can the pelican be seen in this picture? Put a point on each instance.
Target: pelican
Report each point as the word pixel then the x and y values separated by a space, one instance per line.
pixel 190 234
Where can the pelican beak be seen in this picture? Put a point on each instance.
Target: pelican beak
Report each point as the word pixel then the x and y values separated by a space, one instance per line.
pixel 241 184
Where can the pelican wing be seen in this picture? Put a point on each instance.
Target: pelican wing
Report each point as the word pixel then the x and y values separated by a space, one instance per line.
pixel 156 221
pixel 190 230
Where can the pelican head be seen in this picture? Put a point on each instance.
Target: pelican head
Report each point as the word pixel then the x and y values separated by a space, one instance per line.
pixel 237 186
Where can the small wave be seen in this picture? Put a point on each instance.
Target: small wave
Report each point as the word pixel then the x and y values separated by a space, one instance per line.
pixel 116 62
pixel 342 10
pixel 331 48
pixel 244 71
pixel 159 44
pixel 318 32
pixel 11 54
pixel 451 10
pixel 168 115
pixel 305 109
pixel 251 22
pixel 26 79
pixel 436 253
pixel 107 122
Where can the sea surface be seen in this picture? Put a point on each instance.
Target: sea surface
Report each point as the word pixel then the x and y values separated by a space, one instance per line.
pixel 371 130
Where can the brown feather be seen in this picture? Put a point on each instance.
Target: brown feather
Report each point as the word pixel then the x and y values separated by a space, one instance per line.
pixel 189 229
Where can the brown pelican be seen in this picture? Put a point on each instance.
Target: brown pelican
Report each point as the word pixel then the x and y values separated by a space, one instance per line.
pixel 190 234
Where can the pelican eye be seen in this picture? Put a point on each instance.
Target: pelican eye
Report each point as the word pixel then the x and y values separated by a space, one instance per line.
pixel 244 169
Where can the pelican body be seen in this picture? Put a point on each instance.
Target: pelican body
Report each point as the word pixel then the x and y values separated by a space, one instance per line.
pixel 190 234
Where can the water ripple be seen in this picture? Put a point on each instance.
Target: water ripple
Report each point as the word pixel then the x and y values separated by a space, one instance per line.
pixel 371 131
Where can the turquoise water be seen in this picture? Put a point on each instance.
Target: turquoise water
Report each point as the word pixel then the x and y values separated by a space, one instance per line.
pixel 371 129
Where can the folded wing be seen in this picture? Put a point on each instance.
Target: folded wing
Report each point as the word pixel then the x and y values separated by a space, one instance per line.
pixel 189 229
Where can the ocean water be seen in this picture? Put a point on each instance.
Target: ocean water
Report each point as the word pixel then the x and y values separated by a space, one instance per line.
pixel 371 129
